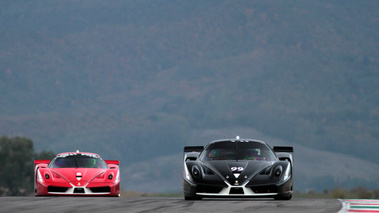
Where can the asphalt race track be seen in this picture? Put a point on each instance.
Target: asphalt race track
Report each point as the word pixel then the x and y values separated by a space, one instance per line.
pixel 161 204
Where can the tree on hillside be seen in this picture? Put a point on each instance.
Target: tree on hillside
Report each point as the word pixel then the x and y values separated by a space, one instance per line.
pixel 16 168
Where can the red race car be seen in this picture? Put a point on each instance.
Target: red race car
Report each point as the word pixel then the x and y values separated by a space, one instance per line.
pixel 77 173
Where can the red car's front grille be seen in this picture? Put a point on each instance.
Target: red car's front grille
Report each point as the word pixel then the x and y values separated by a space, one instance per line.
pixel 56 189
pixel 79 190
pixel 100 189
pixel 209 189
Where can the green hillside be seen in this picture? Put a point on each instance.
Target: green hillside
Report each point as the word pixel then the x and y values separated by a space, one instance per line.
pixel 132 79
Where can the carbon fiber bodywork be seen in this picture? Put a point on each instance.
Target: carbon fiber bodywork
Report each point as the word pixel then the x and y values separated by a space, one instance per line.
pixel 240 168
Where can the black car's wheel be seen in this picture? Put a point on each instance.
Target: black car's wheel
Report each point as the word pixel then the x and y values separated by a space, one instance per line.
pixel 190 192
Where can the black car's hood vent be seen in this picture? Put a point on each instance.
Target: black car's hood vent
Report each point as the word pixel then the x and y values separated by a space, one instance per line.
pixel 237 172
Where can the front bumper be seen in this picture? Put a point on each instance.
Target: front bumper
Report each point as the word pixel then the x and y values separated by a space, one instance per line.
pixel 228 190
pixel 86 190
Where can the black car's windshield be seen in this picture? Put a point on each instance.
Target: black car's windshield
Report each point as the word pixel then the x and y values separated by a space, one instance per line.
pixel 228 150
pixel 78 161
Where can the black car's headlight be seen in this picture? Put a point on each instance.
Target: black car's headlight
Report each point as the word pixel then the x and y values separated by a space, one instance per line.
pixel 196 171
pixel 266 171
pixel 208 171
pixel 278 171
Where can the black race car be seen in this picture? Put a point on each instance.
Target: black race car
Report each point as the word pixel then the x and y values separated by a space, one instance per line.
pixel 238 168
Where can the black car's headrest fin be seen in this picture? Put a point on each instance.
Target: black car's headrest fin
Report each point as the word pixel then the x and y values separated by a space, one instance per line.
pixel 193 148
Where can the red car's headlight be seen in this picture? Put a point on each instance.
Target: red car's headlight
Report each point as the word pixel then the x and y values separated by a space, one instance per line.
pixel 55 175
pixel 101 176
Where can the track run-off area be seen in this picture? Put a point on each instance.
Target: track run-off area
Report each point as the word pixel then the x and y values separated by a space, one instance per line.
pixel 354 205
pixel 178 204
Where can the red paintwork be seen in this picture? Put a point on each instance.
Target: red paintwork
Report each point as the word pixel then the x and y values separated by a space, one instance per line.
pixel 67 177
pixel 112 162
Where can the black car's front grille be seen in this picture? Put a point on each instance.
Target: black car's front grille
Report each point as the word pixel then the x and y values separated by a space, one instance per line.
pixel 265 189
pixel 237 191
pixel 56 189
pixel 208 189
pixel 100 189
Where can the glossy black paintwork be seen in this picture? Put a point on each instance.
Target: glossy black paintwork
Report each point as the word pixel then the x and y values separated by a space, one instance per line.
pixel 249 173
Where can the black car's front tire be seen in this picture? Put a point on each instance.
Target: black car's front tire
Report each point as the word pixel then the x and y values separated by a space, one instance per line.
pixel 189 191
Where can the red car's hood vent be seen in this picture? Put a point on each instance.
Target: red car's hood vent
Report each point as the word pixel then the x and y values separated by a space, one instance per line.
pixel 78 176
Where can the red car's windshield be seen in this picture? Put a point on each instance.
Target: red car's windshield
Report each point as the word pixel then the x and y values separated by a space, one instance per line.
pixel 78 161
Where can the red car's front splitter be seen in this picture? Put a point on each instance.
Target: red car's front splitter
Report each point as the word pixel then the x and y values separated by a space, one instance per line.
pixel 69 190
